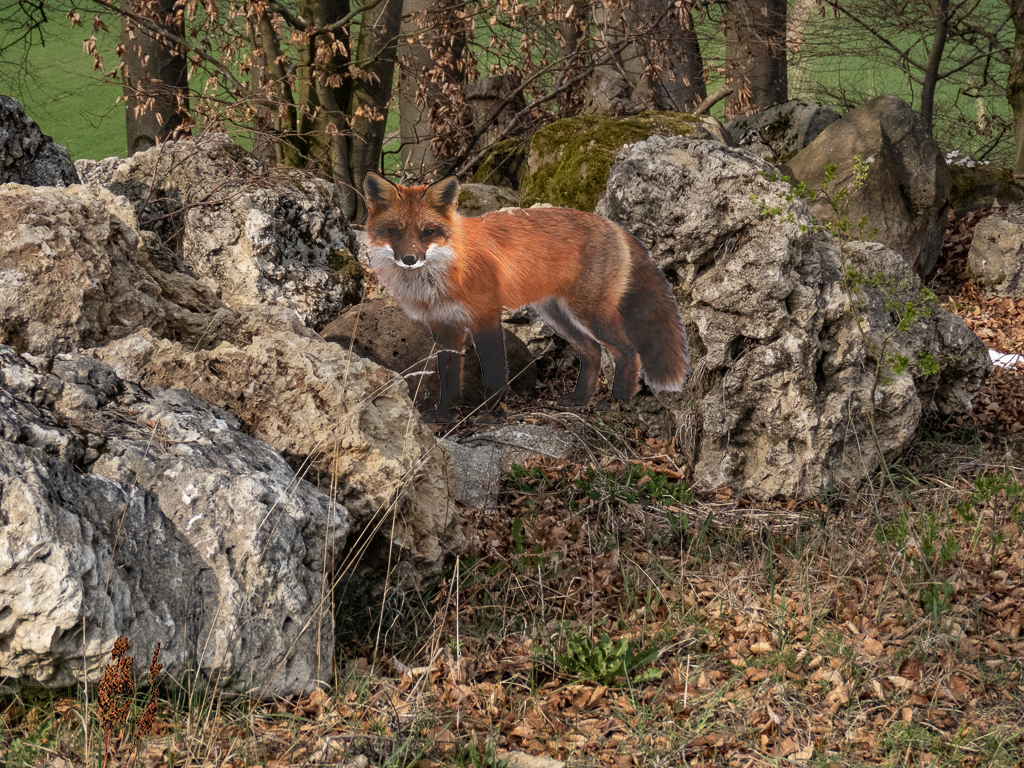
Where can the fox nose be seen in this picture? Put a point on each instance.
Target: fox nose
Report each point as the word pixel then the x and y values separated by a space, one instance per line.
pixel 409 260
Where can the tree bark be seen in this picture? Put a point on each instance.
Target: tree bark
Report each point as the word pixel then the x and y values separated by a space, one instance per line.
pixel 1015 83
pixel 371 93
pixel 432 56
pixel 659 54
pixel 931 72
pixel 155 75
pixel 755 55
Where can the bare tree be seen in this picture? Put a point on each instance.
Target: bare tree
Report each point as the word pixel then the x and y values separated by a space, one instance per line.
pixel 949 58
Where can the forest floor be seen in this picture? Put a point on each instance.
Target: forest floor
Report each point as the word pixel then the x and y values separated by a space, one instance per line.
pixel 604 616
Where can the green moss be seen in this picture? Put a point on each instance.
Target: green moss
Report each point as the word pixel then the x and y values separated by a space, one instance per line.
pixel 345 264
pixel 570 159
pixel 503 164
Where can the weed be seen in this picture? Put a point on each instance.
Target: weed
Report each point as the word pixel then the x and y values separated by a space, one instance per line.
pixel 605 661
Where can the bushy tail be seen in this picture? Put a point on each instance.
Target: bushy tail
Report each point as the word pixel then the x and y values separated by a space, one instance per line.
pixel 653 323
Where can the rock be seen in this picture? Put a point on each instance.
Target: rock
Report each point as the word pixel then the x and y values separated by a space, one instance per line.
pixel 151 515
pixel 389 337
pixel 477 199
pixel 996 258
pixel 783 382
pixel 253 235
pixel 27 155
pixel 907 191
pixel 784 128
pixel 344 423
pixel 569 159
pixel 481 459
pixel 70 276
pixel 979 186
pixel 74 273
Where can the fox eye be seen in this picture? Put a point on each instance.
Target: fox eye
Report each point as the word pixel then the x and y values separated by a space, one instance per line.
pixel 429 232
pixel 393 231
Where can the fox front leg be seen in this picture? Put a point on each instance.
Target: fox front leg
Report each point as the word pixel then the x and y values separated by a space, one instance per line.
pixel 451 348
pixel 490 347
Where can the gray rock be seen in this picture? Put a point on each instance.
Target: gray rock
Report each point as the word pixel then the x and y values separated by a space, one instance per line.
pixel 75 272
pixel 27 155
pixel 253 235
pixel 907 193
pixel 477 199
pixel 345 423
pixel 482 458
pixel 783 382
pixel 151 515
pixel 784 128
pixel 996 258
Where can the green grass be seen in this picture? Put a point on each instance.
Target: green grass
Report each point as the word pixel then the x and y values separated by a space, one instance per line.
pixel 59 89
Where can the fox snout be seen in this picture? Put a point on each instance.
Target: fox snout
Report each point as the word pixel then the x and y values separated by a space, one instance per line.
pixel 411 260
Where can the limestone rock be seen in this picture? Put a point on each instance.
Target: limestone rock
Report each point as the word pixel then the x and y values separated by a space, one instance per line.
pixel 75 272
pixel 482 458
pixel 907 192
pixel 783 381
pixel 996 258
pixel 151 515
pixel 785 128
pixel 345 424
pixel 27 155
pixel 478 199
pixel 253 235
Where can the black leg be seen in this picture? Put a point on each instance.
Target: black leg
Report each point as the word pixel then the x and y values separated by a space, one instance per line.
pixel 490 346
pixel 451 349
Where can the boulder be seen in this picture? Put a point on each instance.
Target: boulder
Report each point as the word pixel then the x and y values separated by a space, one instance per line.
pixel 27 155
pixel 481 459
pixel 906 196
pixel 379 330
pixel 996 258
pixel 153 516
pixel 345 423
pixel 75 272
pixel 253 235
pixel 976 186
pixel 569 159
pixel 784 128
pixel 789 394
pixel 477 199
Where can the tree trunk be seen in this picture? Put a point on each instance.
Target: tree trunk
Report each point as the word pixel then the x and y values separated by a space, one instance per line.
pixel 658 55
pixel 155 75
pixel 931 72
pixel 371 93
pixel 755 55
pixel 1015 83
pixel 432 56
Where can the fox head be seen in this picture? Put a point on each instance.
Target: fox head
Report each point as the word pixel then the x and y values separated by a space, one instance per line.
pixel 408 230
pixel 411 221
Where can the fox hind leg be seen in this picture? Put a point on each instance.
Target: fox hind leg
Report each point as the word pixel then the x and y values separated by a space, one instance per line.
pixel 556 314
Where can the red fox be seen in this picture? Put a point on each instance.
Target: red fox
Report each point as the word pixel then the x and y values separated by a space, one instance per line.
pixel 590 280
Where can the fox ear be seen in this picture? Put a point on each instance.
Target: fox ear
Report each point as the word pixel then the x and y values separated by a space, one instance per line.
pixel 380 193
pixel 443 195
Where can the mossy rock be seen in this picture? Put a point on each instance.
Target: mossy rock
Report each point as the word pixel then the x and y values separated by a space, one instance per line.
pixel 978 187
pixel 503 165
pixel 570 159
